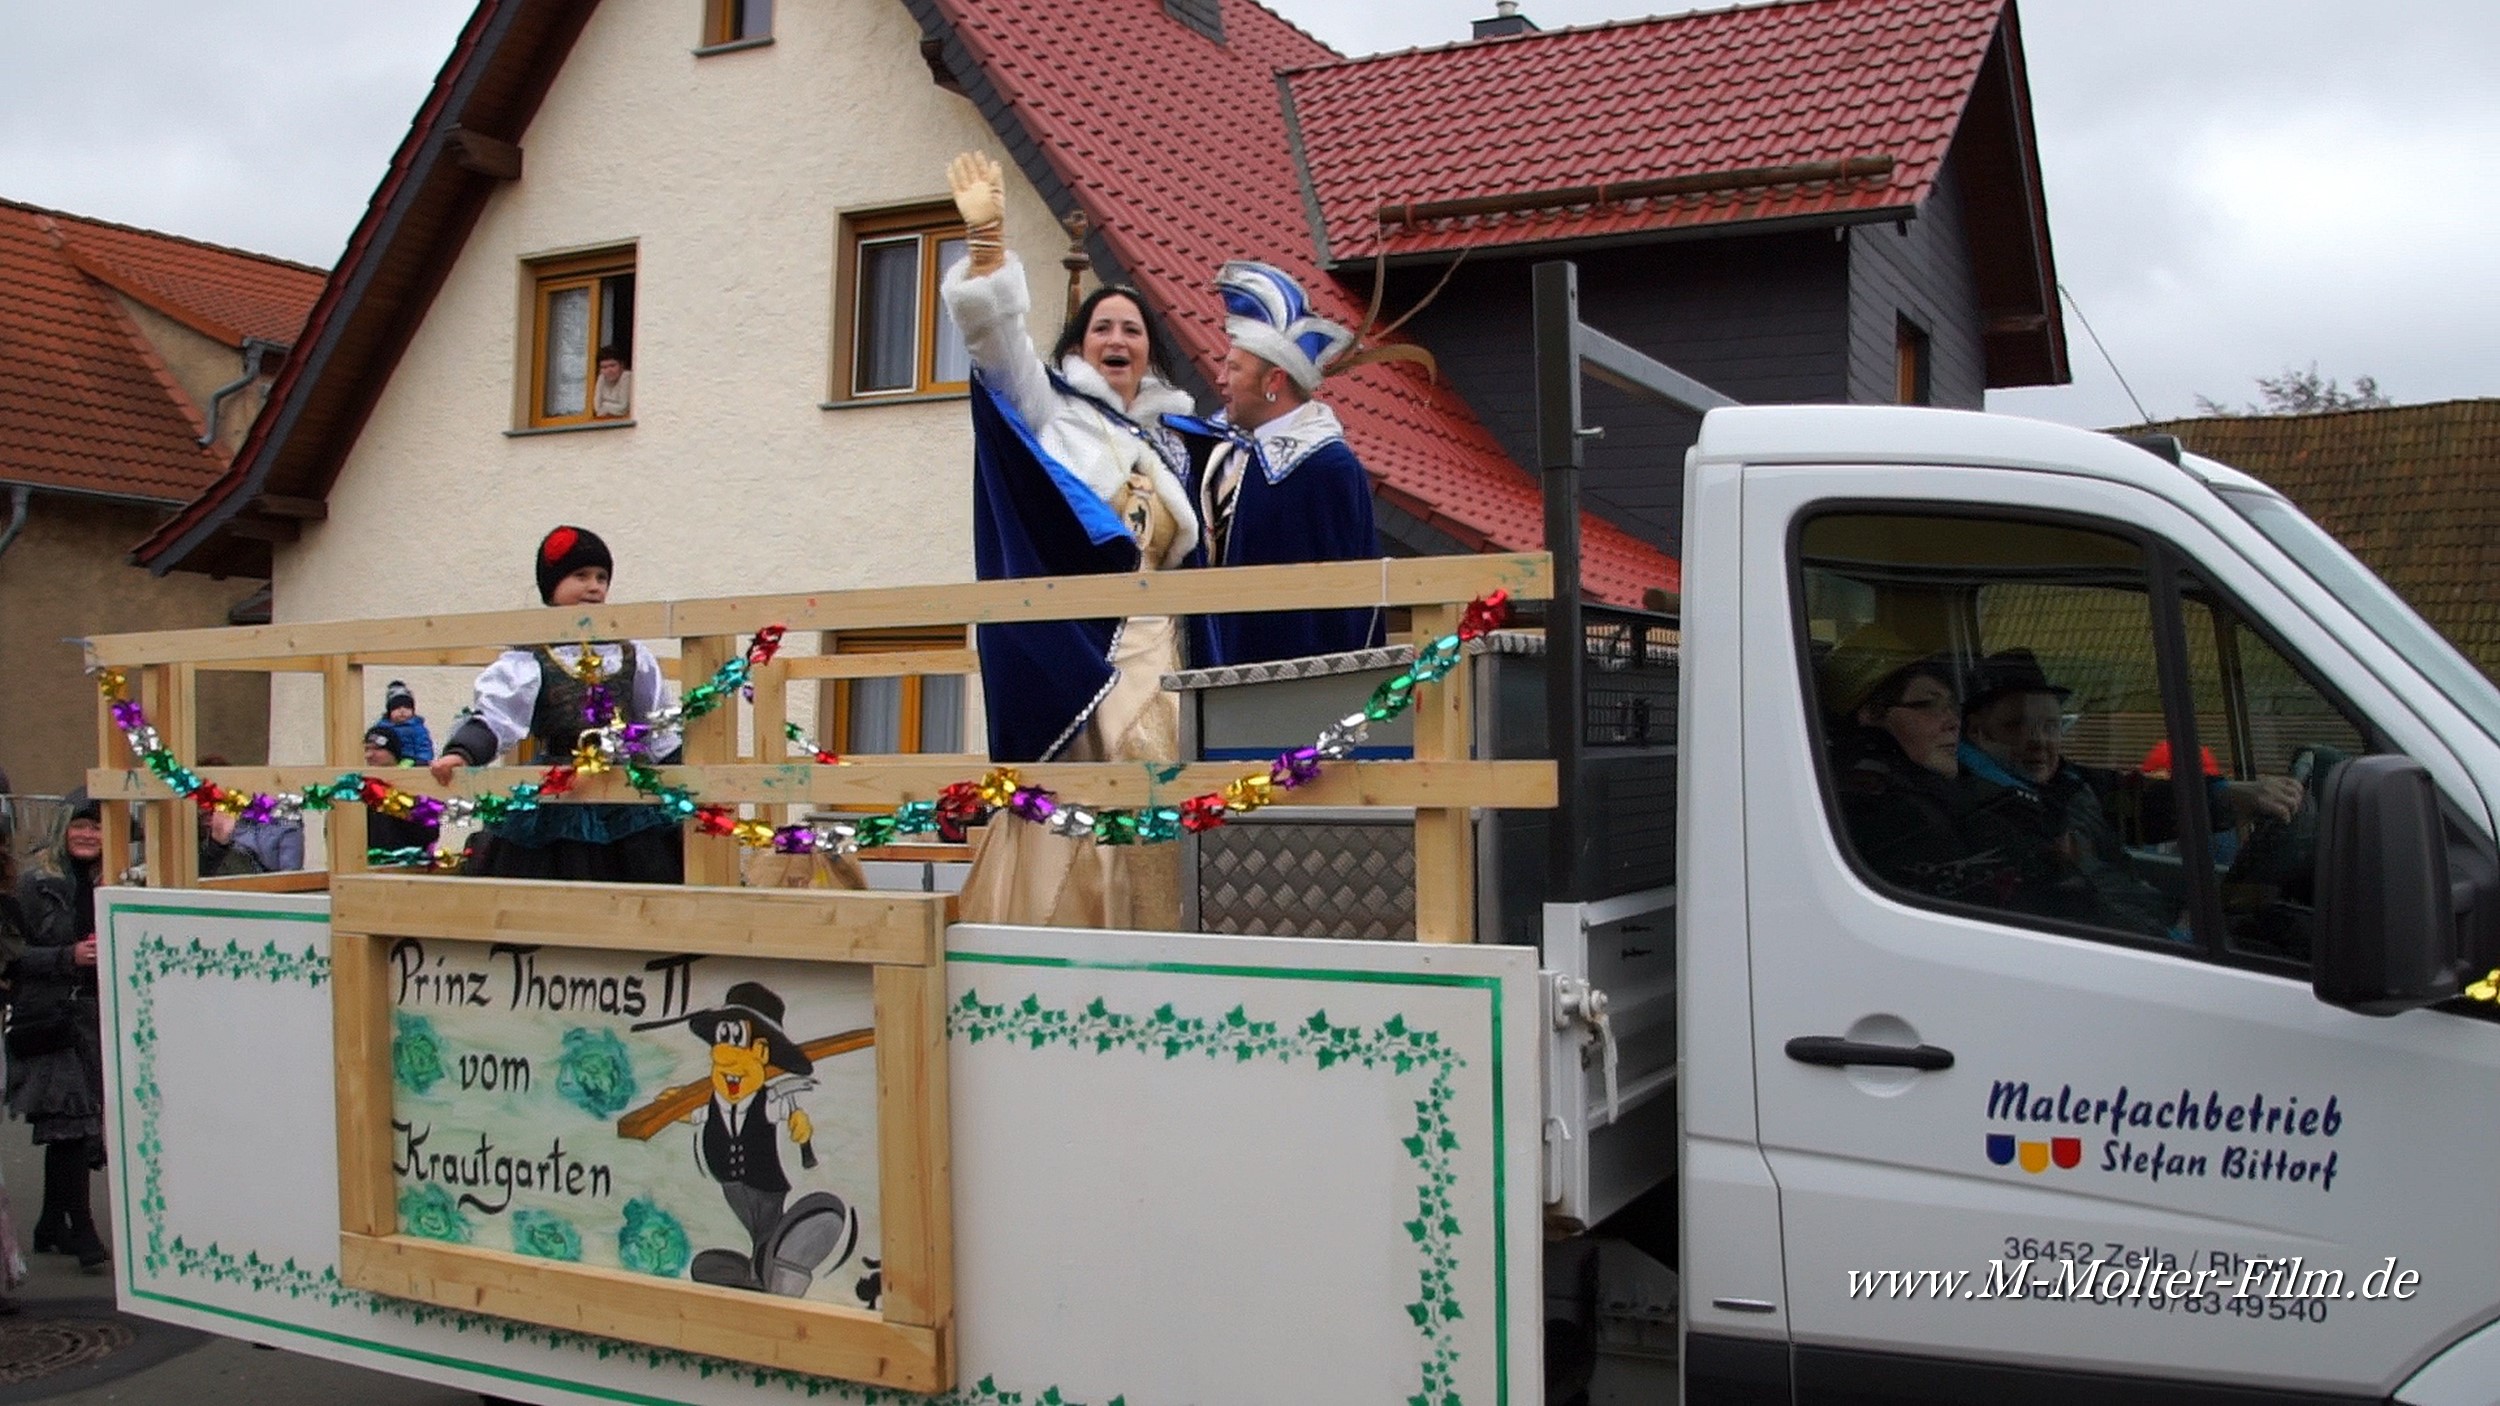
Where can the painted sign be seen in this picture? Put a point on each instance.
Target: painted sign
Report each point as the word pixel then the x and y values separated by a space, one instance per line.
pixel 1171 1154
pixel 697 1117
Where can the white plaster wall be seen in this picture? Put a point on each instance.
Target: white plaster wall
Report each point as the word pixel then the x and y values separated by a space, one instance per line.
pixel 729 173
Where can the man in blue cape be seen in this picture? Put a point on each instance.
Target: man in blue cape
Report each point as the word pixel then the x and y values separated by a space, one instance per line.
pixel 1272 477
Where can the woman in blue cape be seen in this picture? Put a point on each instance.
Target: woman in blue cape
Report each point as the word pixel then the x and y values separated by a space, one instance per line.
pixel 1072 474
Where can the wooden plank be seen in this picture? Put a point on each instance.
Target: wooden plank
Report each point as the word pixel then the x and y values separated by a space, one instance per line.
pixel 360 1027
pixel 170 694
pixel 711 860
pixel 422 639
pixel 771 711
pixel 791 1334
pixel 1302 586
pixel 884 783
pixel 113 755
pixel 343 726
pixel 285 881
pixel 272 665
pixel 767 715
pixel 894 664
pixel 803 924
pixel 477 658
pixel 915 1165
pixel 496 629
pixel 923 854
pixel 1445 849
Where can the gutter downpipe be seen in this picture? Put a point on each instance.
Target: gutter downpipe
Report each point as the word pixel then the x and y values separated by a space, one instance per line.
pixel 19 495
pixel 254 349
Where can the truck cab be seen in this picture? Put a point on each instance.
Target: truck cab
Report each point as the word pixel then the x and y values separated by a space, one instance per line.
pixel 2062 1073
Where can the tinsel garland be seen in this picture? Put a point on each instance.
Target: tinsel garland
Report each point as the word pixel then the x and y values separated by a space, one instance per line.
pixel 609 743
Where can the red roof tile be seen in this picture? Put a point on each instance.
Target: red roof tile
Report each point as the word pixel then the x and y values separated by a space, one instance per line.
pixel 1194 168
pixel 227 294
pixel 1692 96
pixel 84 402
pixel 2412 490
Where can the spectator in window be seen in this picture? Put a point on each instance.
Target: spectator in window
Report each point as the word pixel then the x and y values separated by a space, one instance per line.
pixel 1913 813
pixel 400 718
pixel 230 844
pixel 612 395
pixel 2015 737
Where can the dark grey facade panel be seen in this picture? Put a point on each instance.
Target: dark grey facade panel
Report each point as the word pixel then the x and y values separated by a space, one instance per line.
pixel 1921 272
pixel 1764 318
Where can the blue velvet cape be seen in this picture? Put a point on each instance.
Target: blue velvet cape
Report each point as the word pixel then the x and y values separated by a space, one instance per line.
pixel 1321 510
pixel 1040 679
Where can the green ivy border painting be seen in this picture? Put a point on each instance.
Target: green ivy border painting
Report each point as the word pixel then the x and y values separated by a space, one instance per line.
pixel 1393 1046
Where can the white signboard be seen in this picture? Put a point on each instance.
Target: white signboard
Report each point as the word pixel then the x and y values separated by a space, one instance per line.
pixel 1187 1170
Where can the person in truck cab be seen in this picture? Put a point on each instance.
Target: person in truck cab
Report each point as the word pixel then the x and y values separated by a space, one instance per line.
pixel 2014 734
pixel 1914 815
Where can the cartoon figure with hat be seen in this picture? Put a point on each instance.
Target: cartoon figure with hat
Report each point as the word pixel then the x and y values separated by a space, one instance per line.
pixel 758 1072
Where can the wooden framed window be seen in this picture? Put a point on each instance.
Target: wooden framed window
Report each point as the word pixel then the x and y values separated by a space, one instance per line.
pixel 736 21
pixel 1911 362
pixel 582 314
pixel 895 337
pixel 901 713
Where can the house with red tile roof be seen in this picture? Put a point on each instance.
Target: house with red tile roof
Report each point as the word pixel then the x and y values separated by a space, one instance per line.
pixel 2412 490
pixel 1768 198
pixel 130 364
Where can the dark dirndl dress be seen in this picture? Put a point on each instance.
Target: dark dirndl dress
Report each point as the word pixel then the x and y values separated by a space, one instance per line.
pixel 602 843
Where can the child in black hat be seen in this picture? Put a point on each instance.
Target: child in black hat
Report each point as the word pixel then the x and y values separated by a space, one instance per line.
pixel 537 694
pixel 412 743
pixel 390 832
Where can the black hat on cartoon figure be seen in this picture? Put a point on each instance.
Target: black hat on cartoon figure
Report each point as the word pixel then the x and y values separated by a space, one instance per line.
pixel 754 1003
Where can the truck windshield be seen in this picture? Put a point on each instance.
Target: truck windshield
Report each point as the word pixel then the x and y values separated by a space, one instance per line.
pixel 2379 607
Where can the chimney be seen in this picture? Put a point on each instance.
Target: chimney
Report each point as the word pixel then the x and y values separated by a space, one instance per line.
pixel 1204 16
pixel 1506 21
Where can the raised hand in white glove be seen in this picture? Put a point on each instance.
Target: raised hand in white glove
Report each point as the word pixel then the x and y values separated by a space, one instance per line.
pixel 980 190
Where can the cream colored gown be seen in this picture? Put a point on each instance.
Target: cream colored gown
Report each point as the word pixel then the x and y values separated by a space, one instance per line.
pixel 1022 873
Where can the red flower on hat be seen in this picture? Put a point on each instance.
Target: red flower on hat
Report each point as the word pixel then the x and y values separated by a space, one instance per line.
pixel 557 544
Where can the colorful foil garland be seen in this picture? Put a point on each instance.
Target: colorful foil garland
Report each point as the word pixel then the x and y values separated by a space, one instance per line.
pixel 609 743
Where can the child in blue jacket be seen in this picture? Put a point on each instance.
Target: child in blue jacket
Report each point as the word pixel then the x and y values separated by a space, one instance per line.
pixel 399 719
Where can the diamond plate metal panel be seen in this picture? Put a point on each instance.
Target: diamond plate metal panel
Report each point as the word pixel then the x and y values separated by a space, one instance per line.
pixel 1306 879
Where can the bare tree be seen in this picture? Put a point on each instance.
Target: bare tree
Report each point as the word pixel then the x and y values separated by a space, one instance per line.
pixel 2299 392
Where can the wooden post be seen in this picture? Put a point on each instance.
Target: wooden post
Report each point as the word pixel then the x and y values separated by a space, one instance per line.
pixel 343 725
pixel 360 1004
pixel 173 827
pixel 114 753
pixel 710 741
pixel 1445 843
pixel 771 711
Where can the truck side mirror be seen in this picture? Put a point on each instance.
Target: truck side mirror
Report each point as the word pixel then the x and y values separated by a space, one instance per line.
pixel 2387 937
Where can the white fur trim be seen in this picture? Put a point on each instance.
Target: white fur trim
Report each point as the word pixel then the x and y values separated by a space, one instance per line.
pixel 979 304
pixel 1272 347
pixel 1287 440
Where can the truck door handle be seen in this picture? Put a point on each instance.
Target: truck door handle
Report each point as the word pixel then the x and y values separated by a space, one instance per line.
pixel 1832 1049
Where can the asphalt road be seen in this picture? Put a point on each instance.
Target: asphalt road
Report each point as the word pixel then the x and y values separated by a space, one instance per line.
pixel 182 1369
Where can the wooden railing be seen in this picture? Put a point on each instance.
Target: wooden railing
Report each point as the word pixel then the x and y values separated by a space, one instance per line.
pixel 1441 782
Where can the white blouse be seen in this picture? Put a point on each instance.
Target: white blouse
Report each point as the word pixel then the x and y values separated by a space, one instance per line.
pixel 507 693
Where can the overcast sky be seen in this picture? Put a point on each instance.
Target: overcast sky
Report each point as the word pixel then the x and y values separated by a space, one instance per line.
pixel 2234 186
